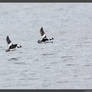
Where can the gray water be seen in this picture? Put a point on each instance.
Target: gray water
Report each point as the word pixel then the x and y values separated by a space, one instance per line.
pixel 64 64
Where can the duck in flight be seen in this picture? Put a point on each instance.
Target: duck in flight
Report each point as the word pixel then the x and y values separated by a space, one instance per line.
pixel 44 37
pixel 11 46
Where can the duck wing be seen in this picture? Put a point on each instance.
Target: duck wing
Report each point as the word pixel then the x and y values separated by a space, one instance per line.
pixel 8 40
pixel 42 31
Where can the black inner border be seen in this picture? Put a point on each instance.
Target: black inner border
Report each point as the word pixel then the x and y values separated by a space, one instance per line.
pixel 40 90
pixel 44 1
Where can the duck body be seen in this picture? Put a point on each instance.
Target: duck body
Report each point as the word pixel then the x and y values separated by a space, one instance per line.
pixel 12 46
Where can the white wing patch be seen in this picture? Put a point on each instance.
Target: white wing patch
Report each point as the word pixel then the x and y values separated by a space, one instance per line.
pixel 9 44
pixel 43 36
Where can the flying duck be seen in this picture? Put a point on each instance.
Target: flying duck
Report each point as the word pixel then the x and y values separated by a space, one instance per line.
pixel 44 37
pixel 11 46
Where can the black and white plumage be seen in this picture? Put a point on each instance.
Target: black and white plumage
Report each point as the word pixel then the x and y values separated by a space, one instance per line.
pixel 11 45
pixel 44 37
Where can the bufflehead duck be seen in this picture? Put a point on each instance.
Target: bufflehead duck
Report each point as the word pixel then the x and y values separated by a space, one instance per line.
pixel 11 46
pixel 44 37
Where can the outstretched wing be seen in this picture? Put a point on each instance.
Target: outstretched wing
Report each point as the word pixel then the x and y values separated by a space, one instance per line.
pixel 8 40
pixel 42 31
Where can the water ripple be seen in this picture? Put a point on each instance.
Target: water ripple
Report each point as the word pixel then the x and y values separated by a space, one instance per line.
pixel 20 63
pixel 13 59
pixel 47 54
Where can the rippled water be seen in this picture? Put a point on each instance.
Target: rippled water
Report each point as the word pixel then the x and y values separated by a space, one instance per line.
pixel 64 64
